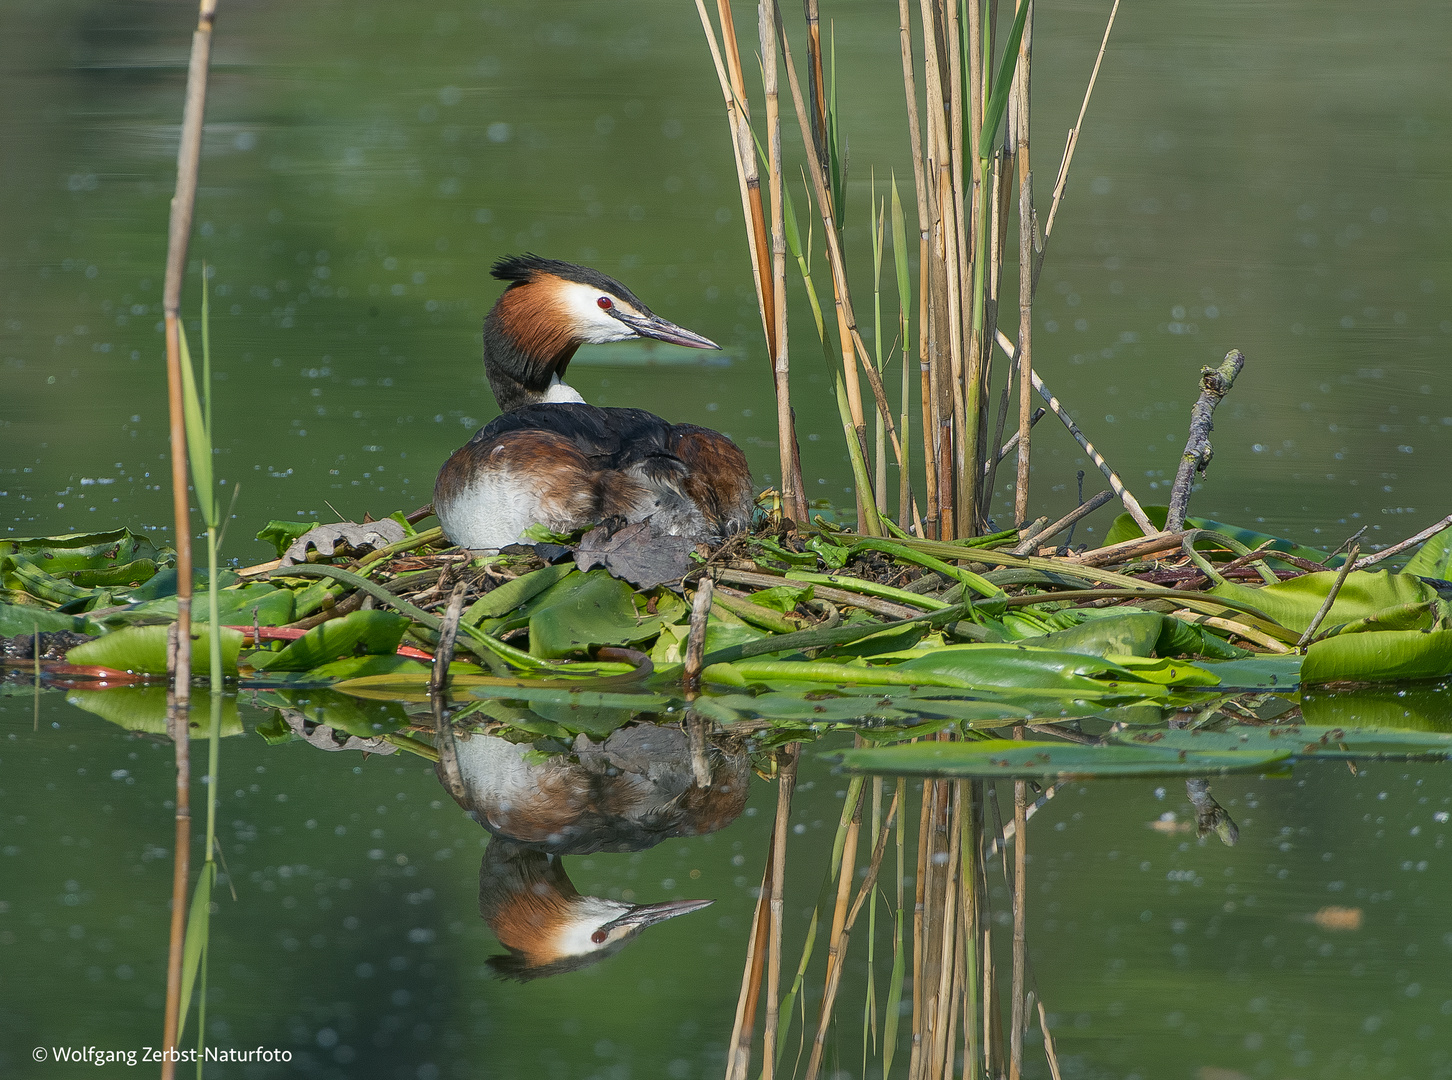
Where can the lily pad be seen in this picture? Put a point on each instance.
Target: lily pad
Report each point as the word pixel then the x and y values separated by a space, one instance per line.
pixel 1125 528
pixel 1006 758
pixel 1433 559
pixel 17 619
pixel 1380 656
pixel 83 551
pixel 588 610
pixel 367 632
pixel 1133 633
pixel 142 649
pixel 1294 603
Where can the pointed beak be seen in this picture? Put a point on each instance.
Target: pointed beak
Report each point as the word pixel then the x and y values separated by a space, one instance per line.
pixel 653 326
pixel 650 914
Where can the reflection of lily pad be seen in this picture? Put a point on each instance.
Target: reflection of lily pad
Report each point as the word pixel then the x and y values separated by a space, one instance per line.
pixel 1300 740
pixel 1422 707
pixel 143 708
pixel 1000 758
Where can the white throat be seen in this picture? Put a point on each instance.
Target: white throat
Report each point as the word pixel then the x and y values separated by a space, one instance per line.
pixel 561 393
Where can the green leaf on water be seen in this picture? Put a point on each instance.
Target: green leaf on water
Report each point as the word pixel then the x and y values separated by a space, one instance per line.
pixel 281 533
pixel 503 600
pixel 590 609
pixel 1007 758
pixel 368 632
pixel 1433 559
pixel 1379 656
pixel 783 598
pixel 1262 672
pixel 1364 593
pixel 83 551
pixel 1133 633
pixel 23 619
pixel 142 649
pixel 1125 528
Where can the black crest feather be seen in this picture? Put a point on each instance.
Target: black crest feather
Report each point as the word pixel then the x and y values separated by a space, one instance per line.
pixel 522 269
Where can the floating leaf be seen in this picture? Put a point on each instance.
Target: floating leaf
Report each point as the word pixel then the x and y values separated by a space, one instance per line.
pixel 82 551
pixel 142 649
pixel 506 598
pixel 370 632
pixel 1281 672
pixel 23 619
pixel 281 534
pixel 1433 559
pixel 1125 528
pixel 1294 603
pixel 1379 656
pixel 1006 758
pixel 592 609
pixel 1130 634
pixel 783 598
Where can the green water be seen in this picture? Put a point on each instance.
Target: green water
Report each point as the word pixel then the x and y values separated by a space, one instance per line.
pixel 1267 178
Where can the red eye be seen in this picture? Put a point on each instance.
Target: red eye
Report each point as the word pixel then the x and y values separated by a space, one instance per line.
pixel 605 303
pixel 600 935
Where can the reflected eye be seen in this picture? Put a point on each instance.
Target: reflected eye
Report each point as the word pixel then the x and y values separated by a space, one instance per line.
pixel 600 935
pixel 605 303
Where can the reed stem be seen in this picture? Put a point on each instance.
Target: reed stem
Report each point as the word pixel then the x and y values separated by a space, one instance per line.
pixel 178 722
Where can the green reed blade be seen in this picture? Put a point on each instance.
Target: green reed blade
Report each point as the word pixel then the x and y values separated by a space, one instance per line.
pixel 998 100
pixel 199 442
pixel 198 920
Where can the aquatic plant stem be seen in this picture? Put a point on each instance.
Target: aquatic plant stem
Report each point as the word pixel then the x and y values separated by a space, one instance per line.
pixel 1215 383
pixel 1020 903
pixel 1065 522
pixel 696 640
pixel 739 1049
pixel 1025 268
pixel 1326 605
pixel 1409 542
pixel 793 499
pixel 178 234
pixel 1125 496
pixel 786 784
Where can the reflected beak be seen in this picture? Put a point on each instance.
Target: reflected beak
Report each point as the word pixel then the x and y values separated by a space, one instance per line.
pixel 650 914
pixel 653 326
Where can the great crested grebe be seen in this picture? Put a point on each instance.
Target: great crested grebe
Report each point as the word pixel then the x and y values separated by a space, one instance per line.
pixel 550 458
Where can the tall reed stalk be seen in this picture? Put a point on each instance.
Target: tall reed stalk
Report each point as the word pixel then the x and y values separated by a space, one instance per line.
pixel 178 723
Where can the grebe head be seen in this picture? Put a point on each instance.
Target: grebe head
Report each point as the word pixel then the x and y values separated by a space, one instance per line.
pixel 550 309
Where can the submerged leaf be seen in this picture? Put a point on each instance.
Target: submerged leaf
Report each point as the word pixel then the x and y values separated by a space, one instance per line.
pixel 1006 758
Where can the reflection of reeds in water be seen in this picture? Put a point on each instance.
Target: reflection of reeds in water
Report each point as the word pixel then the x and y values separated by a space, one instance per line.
pixel 957 1017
